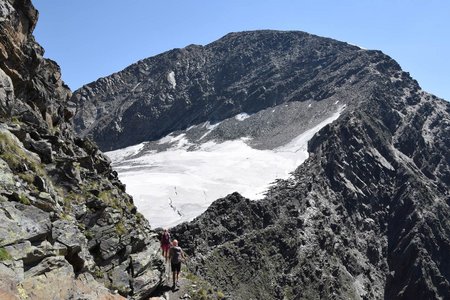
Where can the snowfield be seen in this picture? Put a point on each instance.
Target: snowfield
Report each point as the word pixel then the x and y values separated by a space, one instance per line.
pixel 176 185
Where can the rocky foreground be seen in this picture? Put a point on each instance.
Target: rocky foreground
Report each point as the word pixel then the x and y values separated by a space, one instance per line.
pixel 67 228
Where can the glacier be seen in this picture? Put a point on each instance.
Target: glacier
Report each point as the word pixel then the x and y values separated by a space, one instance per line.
pixel 179 183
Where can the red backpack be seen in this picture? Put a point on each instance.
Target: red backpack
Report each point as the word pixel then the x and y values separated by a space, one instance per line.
pixel 165 239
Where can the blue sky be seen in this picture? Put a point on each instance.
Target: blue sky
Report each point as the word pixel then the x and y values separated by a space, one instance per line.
pixel 91 39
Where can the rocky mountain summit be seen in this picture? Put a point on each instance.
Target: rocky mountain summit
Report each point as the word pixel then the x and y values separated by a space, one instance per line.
pixel 67 228
pixel 242 72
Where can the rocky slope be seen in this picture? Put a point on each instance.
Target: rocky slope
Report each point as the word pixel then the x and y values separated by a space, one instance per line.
pixel 365 217
pixel 67 228
pixel 241 73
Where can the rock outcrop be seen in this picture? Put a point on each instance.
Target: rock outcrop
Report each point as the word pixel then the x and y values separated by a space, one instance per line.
pixel 67 228
pixel 365 217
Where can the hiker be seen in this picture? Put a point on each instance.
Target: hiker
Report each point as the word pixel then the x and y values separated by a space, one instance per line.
pixel 165 243
pixel 176 256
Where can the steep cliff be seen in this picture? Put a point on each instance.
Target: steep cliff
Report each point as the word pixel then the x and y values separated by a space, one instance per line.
pixel 365 217
pixel 67 228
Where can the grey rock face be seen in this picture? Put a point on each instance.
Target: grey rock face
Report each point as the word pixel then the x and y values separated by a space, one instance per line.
pixel 21 222
pixel 43 149
pixel 242 72
pixel 363 217
pixel 6 94
pixel 146 267
pixel 52 279
pixel 6 176
pixel 60 201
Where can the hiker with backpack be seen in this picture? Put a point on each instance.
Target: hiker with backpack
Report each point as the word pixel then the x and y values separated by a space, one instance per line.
pixel 176 255
pixel 165 243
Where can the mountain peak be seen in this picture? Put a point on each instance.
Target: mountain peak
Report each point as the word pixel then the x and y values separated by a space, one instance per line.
pixel 241 72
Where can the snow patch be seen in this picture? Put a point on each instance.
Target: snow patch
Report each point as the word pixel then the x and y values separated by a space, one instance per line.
pixel 359 285
pixel 242 117
pixel 177 185
pixel 171 79
pixel 178 142
pixel 125 153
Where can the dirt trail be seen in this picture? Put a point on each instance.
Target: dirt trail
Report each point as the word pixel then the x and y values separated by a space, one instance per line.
pixel 179 292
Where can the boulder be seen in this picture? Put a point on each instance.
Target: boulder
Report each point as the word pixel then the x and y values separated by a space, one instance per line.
pixel 102 163
pixel 148 271
pixel 86 162
pixel 120 279
pixel 143 260
pixel 68 234
pixel 146 283
pixel 43 149
pixel 50 264
pixel 20 250
pixel 46 202
pixel 109 246
pixel 87 288
pixel 54 279
pixel 109 216
pixel 6 176
pixel 8 283
pixel 19 222
pixel 6 94
pixel 40 183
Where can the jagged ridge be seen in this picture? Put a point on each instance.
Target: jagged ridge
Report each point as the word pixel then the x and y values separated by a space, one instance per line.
pixel 67 228
pixel 365 217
